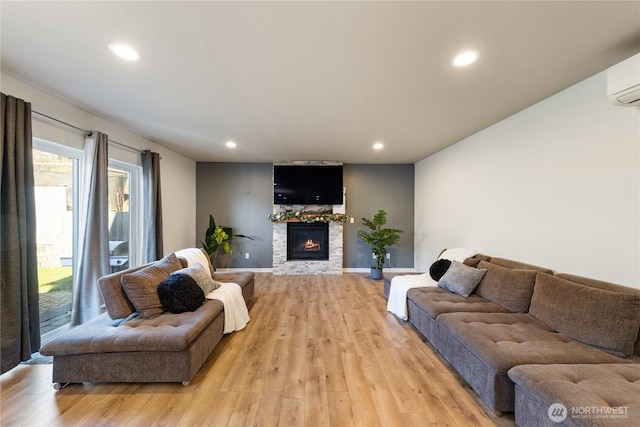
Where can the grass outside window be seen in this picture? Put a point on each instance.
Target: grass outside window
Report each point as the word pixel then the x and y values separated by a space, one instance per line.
pixel 56 279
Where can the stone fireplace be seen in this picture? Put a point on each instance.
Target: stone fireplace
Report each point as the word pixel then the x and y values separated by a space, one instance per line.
pixel 316 247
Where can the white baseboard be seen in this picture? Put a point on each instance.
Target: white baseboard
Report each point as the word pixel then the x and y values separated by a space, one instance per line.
pixel 239 270
pixel 388 270
pixel 344 270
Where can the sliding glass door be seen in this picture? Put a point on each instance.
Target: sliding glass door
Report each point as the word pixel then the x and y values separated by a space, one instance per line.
pixel 56 190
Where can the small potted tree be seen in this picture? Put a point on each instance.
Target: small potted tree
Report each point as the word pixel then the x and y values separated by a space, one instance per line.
pixel 379 239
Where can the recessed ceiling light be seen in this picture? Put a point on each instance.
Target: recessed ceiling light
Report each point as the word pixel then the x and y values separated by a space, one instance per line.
pixel 230 144
pixel 125 52
pixel 465 58
pixel 378 146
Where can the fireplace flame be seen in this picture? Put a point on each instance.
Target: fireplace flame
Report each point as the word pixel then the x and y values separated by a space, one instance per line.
pixel 310 245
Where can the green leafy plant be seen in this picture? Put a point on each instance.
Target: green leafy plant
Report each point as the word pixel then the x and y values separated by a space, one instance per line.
pixel 379 238
pixel 217 236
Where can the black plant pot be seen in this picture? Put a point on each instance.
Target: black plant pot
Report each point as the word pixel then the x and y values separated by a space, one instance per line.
pixel 376 273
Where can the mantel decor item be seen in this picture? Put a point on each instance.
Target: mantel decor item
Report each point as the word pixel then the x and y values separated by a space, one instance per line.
pixel 217 236
pixel 291 215
pixel 379 239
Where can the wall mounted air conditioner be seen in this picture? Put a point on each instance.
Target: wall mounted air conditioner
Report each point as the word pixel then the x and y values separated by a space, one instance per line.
pixel 623 82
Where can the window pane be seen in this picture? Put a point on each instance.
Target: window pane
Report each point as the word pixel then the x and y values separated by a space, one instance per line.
pixel 119 219
pixel 54 191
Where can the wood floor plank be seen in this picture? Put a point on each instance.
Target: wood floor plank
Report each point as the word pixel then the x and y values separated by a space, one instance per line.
pixel 359 390
pixel 340 410
pixel 292 413
pixel 318 351
pixel 335 377
pixel 316 408
pixel 269 409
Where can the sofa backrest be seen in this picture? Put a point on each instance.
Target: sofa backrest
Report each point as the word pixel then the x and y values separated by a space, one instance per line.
pixel 503 262
pixel 605 316
pixel 507 282
pixel 608 287
pixel 475 260
pixel 510 287
pixel 117 303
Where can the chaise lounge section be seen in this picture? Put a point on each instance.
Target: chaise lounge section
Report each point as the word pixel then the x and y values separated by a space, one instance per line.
pixel 590 395
pixel 120 347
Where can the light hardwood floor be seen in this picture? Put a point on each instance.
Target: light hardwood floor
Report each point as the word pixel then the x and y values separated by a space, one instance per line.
pixel 319 351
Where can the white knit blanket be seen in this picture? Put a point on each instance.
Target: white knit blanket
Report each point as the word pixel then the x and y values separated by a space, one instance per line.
pixel 400 285
pixel 236 314
pixel 193 256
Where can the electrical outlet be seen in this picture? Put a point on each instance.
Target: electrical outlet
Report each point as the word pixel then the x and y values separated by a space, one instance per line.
pixel 351 220
pixel 388 255
pixel 246 255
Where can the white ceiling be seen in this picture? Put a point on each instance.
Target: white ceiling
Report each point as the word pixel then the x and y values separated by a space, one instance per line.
pixel 311 80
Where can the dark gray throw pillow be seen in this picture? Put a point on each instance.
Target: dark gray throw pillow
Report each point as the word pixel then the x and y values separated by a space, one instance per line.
pixel 438 268
pixel 461 279
pixel 179 293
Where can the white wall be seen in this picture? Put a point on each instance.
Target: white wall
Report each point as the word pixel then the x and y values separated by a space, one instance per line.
pixel 178 173
pixel 557 185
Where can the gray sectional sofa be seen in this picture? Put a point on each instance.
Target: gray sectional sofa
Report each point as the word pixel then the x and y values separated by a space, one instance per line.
pixel 119 346
pixel 522 325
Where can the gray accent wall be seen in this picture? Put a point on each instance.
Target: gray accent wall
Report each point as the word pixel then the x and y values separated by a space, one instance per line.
pixel 240 195
pixel 379 186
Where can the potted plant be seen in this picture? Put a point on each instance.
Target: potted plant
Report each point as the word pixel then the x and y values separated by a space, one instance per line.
pixel 217 236
pixel 379 239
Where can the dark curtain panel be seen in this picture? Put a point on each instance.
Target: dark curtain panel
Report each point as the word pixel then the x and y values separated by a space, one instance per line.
pixel 93 250
pixel 20 335
pixel 152 205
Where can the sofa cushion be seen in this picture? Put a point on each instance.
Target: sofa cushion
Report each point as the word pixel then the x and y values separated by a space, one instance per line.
pixel 607 286
pixel 511 288
pixel 179 293
pixel 168 332
pixel 504 340
pixel 461 278
pixel 141 286
pixel 605 394
pixel 604 319
pixel 435 301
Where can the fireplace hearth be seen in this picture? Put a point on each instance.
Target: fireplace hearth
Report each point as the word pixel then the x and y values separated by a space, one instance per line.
pixel 307 241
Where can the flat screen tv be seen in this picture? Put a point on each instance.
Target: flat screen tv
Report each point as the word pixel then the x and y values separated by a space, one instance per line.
pixel 307 184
